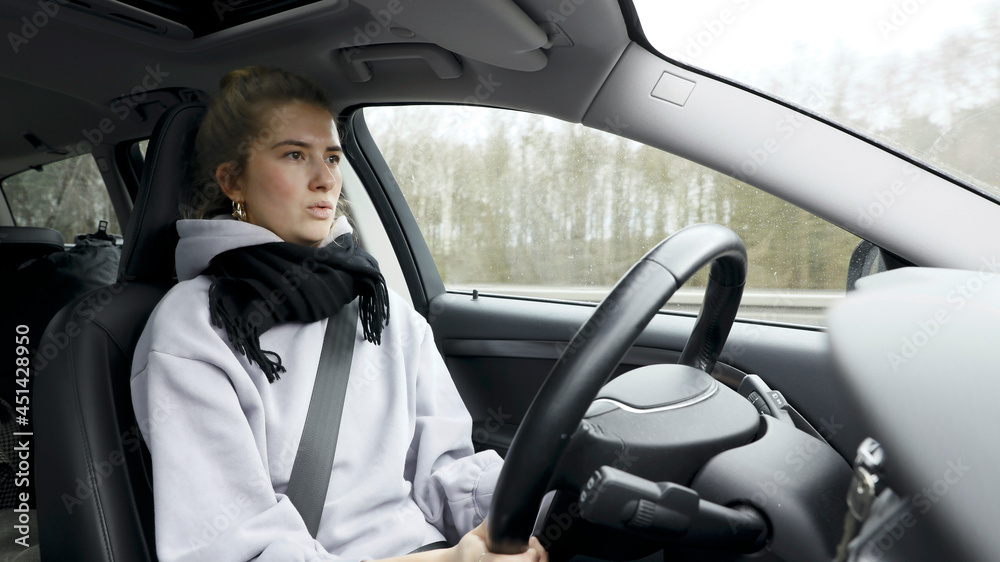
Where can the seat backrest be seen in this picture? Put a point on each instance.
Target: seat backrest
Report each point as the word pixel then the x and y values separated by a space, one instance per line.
pixel 39 277
pixel 94 486
pixel 23 302
pixel 25 305
pixel 19 244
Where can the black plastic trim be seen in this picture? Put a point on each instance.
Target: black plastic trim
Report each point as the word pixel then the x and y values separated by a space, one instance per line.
pixel 539 349
pixel 129 169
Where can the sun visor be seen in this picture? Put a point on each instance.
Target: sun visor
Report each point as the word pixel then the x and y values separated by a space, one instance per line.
pixel 496 32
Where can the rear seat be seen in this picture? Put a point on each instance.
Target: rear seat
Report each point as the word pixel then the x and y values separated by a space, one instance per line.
pixel 39 276
pixel 19 244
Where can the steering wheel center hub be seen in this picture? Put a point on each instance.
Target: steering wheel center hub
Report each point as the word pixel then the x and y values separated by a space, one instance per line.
pixel 655 388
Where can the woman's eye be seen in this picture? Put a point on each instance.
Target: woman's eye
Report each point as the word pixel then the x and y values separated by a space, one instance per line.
pixel 333 159
pixel 295 155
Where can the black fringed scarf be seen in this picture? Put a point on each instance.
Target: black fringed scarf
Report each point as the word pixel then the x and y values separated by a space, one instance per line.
pixel 258 287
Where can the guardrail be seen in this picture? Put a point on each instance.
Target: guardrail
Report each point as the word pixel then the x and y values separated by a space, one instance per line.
pixel 780 305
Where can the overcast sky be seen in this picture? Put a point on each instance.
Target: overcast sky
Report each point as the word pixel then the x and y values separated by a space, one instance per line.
pixel 722 35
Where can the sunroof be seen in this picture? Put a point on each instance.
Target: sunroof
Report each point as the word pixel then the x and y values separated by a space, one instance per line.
pixel 204 18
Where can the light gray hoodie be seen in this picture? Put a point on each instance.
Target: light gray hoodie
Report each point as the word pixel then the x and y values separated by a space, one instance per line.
pixel 223 439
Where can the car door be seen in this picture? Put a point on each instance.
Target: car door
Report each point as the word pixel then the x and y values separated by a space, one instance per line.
pixel 508 228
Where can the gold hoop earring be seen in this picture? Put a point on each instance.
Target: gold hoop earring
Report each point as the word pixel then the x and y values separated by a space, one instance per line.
pixel 239 211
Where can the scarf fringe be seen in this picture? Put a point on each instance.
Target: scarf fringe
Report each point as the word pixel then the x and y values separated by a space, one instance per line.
pixel 373 309
pixel 244 337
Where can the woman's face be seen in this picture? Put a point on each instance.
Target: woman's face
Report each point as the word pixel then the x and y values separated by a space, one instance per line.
pixel 292 179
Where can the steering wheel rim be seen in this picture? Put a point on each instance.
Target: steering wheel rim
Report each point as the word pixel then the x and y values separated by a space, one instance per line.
pixel 597 348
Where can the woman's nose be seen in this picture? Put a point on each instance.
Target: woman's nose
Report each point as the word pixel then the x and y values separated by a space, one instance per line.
pixel 324 177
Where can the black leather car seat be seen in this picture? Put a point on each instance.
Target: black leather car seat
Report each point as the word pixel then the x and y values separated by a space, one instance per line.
pixel 20 302
pixel 24 311
pixel 38 277
pixel 19 244
pixel 94 489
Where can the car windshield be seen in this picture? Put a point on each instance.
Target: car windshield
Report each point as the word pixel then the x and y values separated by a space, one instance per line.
pixel 919 76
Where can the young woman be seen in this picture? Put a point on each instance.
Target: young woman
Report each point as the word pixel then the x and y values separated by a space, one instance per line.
pixel 224 370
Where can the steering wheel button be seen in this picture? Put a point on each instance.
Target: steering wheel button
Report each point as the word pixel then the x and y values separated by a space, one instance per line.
pixel 644 512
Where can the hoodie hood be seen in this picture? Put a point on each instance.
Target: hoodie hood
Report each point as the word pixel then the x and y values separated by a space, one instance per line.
pixel 201 240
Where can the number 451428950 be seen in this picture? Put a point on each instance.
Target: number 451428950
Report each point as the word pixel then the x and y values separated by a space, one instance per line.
pixel 23 370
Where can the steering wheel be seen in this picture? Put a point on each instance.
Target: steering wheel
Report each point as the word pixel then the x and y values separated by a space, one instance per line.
pixel 597 348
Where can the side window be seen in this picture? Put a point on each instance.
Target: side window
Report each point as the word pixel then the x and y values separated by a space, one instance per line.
pixel 68 195
pixel 519 204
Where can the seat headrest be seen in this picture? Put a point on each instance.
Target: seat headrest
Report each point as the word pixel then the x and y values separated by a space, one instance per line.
pixel 21 243
pixel 150 238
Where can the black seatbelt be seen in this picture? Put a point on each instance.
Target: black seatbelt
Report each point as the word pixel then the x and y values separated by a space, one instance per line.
pixel 433 546
pixel 310 477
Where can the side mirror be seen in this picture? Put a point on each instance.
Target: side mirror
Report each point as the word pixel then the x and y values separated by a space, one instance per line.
pixel 867 259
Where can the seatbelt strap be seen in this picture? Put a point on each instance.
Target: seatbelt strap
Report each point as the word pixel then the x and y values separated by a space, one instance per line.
pixel 432 546
pixel 310 477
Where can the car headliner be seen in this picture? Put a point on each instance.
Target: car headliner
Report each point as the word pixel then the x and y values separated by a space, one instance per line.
pixel 62 80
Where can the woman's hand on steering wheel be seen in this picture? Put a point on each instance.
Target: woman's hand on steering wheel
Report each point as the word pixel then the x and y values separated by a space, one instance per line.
pixel 472 548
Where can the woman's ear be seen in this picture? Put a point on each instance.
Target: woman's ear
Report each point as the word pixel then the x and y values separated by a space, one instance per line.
pixel 227 178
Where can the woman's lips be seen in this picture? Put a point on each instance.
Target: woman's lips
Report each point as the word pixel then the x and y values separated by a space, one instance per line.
pixel 321 210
